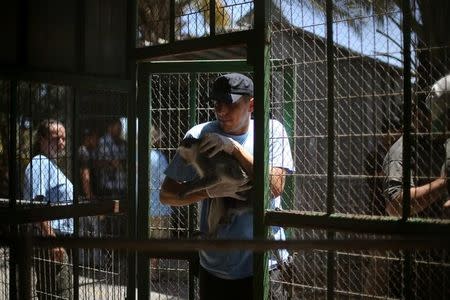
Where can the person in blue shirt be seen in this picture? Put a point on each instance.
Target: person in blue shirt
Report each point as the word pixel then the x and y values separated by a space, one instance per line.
pixel 44 181
pixel 159 214
pixel 229 274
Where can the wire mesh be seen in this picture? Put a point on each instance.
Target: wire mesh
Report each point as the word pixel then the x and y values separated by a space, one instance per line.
pixel 191 19
pixel 102 159
pixel 368 123
pixel 47 155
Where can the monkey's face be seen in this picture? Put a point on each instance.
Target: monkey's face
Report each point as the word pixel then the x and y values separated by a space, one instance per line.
pixel 188 149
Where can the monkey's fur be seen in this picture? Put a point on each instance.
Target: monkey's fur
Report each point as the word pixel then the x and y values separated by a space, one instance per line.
pixel 211 171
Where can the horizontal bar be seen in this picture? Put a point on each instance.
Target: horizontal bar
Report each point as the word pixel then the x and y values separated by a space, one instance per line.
pixel 357 223
pixel 194 45
pixel 74 80
pixel 171 246
pixel 37 213
pixel 197 66
pixel 206 66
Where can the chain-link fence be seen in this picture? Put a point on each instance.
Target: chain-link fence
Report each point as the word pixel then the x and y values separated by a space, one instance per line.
pixel 72 146
pixel 367 131
pixel 71 149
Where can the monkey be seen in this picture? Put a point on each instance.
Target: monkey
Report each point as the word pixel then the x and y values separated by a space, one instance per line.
pixel 220 168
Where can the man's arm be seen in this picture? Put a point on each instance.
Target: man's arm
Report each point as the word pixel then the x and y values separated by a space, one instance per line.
pixel 421 197
pixel 171 189
pixel 277 175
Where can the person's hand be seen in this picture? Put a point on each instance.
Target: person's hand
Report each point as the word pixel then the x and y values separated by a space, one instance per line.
pixel 227 189
pixel 214 143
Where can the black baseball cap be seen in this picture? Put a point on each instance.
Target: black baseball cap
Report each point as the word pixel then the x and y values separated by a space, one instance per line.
pixel 231 87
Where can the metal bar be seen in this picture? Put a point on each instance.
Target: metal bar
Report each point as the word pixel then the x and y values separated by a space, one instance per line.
pixel 131 38
pixel 193 98
pixel 356 223
pixel 188 46
pixel 143 266
pixel 330 108
pixel 76 188
pixel 407 107
pixel 39 213
pixel 22 18
pixel 81 45
pixel 212 18
pixel 12 161
pixel 170 246
pixel 406 154
pixel 198 66
pixel 261 54
pixel 26 250
pixel 73 80
pixel 12 184
pixel 289 115
pixel 172 22
pixel 331 270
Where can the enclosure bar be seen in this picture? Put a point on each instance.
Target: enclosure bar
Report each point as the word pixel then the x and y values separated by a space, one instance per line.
pixel 44 213
pixel 199 66
pixel 22 24
pixel 357 223
pixel 73 80
pixel 171 246
pixel 289 109
pixel 80 32
pixel 193 97
pixel 331 259
pixel 12 161
pixel 145 119
pixel 189 46
pixel 131 192
pixel 25 262
pixel 12 173
pixel 76 187
pixel 330 108
pixel 212 18
pixel 260 51
pixel 407 107
pixel 406 155
pixel 131 68
pixel 172 21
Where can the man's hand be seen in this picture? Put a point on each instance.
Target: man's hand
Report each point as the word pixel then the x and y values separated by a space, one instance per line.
pixel 214 143
pixel 227 189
